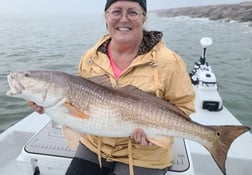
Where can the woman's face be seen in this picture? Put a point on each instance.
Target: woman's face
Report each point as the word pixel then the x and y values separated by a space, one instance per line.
pixel 125 20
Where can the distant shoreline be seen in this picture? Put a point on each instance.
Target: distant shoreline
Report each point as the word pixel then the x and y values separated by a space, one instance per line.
pixel 241 12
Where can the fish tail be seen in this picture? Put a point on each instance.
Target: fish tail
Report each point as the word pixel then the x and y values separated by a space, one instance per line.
pixel 224 137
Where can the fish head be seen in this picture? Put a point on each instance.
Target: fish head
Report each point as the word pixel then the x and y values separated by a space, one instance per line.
pixel 38 86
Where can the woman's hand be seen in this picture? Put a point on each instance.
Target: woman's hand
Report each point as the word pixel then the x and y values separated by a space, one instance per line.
pixel 140 137
pixel 35 107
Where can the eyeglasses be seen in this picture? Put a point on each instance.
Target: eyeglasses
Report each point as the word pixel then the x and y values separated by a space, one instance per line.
pixel 131 14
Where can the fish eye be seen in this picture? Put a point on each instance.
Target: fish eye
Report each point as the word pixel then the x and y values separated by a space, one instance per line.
pixel 27 74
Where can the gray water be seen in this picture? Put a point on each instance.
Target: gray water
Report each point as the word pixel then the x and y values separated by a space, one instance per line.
pixel 57 43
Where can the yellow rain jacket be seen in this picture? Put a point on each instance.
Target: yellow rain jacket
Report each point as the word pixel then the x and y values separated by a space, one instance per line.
pixel 156 70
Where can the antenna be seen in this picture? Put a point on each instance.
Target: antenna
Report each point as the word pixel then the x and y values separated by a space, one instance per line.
pixel 205 42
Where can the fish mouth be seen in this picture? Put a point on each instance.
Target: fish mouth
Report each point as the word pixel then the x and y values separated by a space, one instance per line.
pixel 15 86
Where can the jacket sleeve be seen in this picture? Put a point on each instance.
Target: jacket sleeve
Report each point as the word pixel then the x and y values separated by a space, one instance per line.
pixel 178 86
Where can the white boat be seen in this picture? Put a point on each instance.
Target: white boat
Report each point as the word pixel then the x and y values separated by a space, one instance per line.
pixel 35 145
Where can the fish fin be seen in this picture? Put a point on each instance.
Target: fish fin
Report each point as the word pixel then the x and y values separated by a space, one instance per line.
pixel 72 137
pixel 75 111
pixel 102 80
pixel 150 98
pixel 162 141
pixel 224 137
pixel 135 92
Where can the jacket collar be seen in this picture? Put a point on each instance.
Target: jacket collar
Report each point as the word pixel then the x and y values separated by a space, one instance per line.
pixel 150 40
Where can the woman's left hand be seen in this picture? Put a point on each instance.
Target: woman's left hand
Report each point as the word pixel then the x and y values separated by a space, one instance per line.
pixel 140 137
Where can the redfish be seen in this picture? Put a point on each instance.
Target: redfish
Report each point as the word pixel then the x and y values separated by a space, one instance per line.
pixel 88 107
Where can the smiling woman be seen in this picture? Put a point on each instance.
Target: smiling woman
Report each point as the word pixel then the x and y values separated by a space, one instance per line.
pixel 125 30
pixel 130 55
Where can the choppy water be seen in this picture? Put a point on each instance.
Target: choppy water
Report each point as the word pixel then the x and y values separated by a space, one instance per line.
pixel 57 43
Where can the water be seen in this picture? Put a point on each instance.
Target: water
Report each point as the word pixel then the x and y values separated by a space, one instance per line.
pixel 57 43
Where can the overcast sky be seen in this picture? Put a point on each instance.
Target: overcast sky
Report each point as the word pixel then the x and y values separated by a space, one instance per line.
pixel 85 6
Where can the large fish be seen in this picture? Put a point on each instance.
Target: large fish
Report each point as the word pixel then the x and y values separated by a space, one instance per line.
pixel 91 108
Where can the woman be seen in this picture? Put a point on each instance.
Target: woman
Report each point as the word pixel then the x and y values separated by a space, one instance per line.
pixel 129 55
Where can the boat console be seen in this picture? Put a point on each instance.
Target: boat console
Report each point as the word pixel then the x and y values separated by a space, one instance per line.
pixel 204 81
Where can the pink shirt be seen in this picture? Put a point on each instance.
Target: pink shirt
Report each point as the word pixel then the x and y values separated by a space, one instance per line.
pixel 116 70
